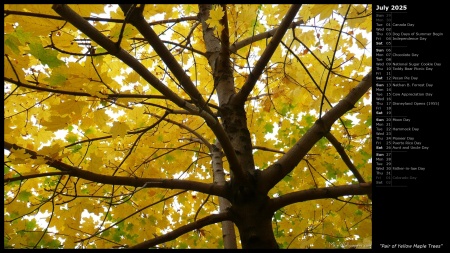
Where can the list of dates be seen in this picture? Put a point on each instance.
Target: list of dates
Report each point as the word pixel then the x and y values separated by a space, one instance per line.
pixel 406 93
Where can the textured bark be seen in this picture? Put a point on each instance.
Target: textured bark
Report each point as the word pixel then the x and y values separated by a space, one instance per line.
pixel 228 233
pixel 234 119
pixel 218 53
pixel 255 225
pixel 254 221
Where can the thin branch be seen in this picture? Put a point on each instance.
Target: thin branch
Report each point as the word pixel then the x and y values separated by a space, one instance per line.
pixel 265 35
pixel 142 132
pixel 82 94
pixel 345 158
pixel 241 97
pixel 130 215
pixel 46 16
pixel 111 20
pixel 48 174
pixel 212 189
pixel 199 136
pixel 175 20
pixel 320 193
pixel 137 20
pixel 211 219
pixel 268 149
pixel 277 171
pixel 332 62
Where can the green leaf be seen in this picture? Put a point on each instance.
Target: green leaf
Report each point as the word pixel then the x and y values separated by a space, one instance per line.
pixel 5 169
pixel 89 131
pixel 12 43
pixel 71 138
pixel 24 195
pixel 117 237
pixel 283 245
pixel 368 121
pixel 287 178
pixel 129 226
pixel 152 219
pixel 309 120
pixel 30 225
pixel 121 225
pixel 268 128
pixel 277 215
pixel 348 123
pixel 322 143
pixel 279 233
pixel 331 171
pixel 170 158
pixel 105 233
pixel 46 56
pixel 24 37
pixel 53 244
pixel 183 245
pixel 330 239
pixel 56 79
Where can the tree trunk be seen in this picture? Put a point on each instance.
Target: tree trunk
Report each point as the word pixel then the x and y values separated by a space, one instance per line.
pixel 228 233
pixel 247 201
pixel 254 224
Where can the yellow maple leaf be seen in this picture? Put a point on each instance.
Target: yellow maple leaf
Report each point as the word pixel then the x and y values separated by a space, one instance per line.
pixel 119 129
pixel 7 126
pixel 70 106
pixel 362 42
pixel 215 16
pixel 100 118
pixel 18 156
pixel 323 10
pixel 51 151
pixel 96 162
pixel 133 77
pixel 56 123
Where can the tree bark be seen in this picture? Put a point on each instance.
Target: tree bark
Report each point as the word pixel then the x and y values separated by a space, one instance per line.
pixel 254 221
pixel 228 233
pixel 255 226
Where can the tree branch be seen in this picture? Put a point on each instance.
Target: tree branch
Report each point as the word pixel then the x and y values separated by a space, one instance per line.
pixel 208 220
pixel 137 20
pixel 320 193
pixel 277 171
pixel 84 26
pixel 83 94
pixel 46 16
pixel 213 189
pixel 241 97
pixel 345 158
pixel 268 149
pixel 48 174
pixel 265 35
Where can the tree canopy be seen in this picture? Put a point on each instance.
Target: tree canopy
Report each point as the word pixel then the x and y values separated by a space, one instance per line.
pixel 187 126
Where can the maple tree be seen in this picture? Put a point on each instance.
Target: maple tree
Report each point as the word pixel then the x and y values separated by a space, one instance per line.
pixel 187 126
